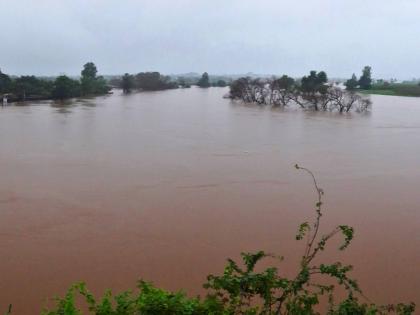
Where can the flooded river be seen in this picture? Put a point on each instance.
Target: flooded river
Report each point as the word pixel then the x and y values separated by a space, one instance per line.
pixel 165 186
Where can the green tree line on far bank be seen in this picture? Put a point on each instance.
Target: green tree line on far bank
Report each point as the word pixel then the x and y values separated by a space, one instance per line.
pixel 155 81
pixel 366 85
pixel 29 87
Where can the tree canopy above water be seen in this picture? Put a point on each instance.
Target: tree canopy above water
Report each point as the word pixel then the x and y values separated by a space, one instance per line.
pixel 204 81
pixel 311 92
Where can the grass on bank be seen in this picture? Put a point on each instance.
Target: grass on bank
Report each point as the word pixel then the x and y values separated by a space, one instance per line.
pixel 396 89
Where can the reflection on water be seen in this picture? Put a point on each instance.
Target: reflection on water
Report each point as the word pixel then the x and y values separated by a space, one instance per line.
pixel 166 185
pixel 65 106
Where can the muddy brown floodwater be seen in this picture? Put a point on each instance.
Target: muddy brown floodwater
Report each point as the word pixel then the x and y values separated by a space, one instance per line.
pixel 165 186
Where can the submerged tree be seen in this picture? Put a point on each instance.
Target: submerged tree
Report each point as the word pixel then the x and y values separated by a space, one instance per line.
pixel 92 84
pixel 5 83
pixel 88 78
pixel 282 90
pixel 204 81
pixel 127 83
pixel 314 82
pixel 221 83
pixel 29 86
pixel 313 88
pixel 313 92
pixel 153 81
pixel 65 87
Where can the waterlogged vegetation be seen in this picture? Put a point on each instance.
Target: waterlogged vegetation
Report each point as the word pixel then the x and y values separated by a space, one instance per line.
pixel 154 81
pixel 144 81
pixel 243 288
pixel 311 92
pixel 26 88
pixel 315 92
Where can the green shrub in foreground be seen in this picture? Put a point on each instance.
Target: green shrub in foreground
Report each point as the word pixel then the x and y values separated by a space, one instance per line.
pixel 242 290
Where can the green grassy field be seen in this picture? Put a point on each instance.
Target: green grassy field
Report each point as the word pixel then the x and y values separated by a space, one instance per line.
pixel 397 89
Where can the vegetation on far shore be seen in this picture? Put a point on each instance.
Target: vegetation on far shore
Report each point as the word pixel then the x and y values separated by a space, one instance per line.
pixel 365 85
pixel 309 92
pixel 33 88
pixel 28 88
pixel 245 288
pixel 396 89
pixel 154 81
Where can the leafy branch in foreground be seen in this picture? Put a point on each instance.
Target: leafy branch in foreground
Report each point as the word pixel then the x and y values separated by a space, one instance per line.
pixel 243 290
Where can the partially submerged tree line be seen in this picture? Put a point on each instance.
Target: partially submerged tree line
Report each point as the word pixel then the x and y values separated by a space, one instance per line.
pixel 25 88
pixel 311 92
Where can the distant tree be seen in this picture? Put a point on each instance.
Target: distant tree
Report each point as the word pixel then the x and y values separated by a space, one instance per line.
pixel 365 80
pixel 183 82
pixel 5 83
pixel 351 84
pixel 89 70
pixel 285 82
pixel 204 81
pixel 88 78
pixel 65 87
pixel 127 83
pixel 92 84
pixel 315 82
pixel 221 83
pixel 322 77
pixel 101 85
pixel 153 81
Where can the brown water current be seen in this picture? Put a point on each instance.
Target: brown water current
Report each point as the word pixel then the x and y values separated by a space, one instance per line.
pixel 166 185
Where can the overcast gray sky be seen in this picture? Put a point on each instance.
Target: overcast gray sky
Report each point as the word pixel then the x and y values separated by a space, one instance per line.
pixel 49 37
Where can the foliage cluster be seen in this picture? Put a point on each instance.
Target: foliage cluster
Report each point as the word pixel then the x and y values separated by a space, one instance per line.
pixel 151 81
pixel 242 289
pixel 311 92
pixel 91 83
pixel 207 81
pixel 383 87
pixel 204 81
pixel 145 81
pixel 364 82
pixel 352 84
pixel 154 81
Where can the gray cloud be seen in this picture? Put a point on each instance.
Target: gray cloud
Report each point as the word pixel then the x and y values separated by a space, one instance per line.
pixel 220 36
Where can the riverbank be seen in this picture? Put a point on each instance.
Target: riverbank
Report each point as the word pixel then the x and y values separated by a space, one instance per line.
pixel 397 89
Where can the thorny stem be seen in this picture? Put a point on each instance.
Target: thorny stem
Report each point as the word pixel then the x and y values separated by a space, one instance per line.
pixel 308 256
